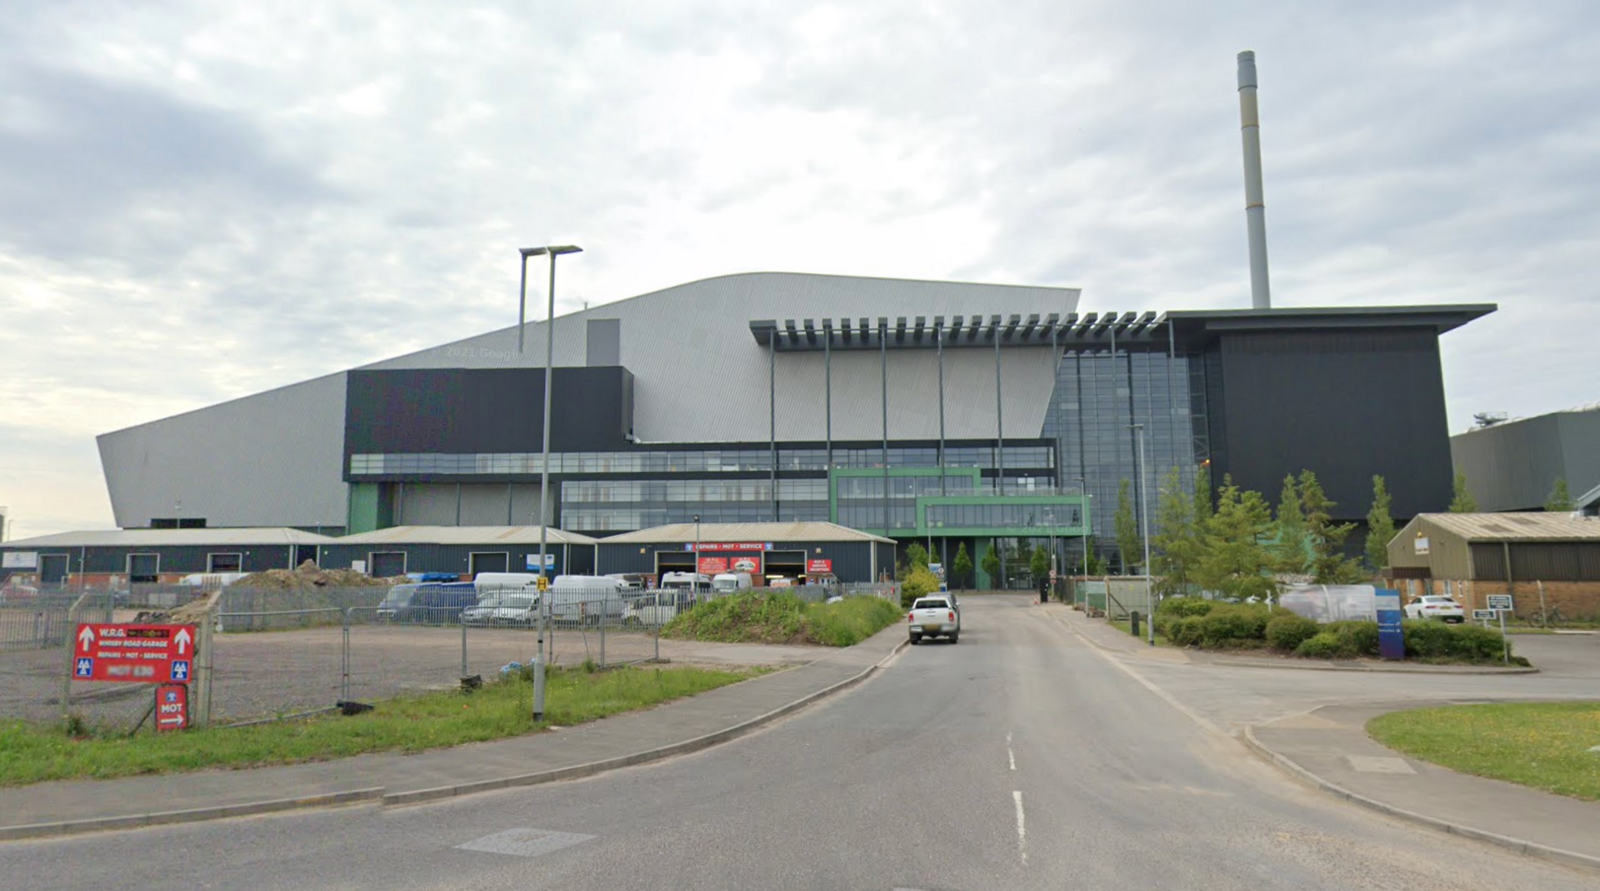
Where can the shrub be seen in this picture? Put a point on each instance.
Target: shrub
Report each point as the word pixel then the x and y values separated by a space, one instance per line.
pixel 1184 632
pixel 1324 645
pixel 920 581
pixel 1427 639
pixel 1180 607
pixel 1234 625
pixel 1361 638
pixel 1286 632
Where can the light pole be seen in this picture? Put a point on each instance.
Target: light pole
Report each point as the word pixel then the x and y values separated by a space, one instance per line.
pixel 544 455
pixel 1050 520
pixel 694 577
pixel 1144 526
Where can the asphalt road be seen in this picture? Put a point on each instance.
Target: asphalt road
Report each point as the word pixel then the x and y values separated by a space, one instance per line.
pixel 1020 758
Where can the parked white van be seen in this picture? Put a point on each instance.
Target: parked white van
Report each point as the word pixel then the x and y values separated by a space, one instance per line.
pixel 586 597
pixel 505 582
pixel 730 582
pixel 684 581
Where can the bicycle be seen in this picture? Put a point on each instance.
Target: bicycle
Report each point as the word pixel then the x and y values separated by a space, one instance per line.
pixel 1547 618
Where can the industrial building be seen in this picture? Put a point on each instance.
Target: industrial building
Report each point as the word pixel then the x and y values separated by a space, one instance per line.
pixel 955 414
pixel 1547 562
pixel 804 550
pixel 1513 465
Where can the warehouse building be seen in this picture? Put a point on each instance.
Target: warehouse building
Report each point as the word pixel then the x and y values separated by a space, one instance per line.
pixel 796 552
pixel 1514 465
pixel 460 550
pixel 149 556
pixel 1545 561
pixel 975 415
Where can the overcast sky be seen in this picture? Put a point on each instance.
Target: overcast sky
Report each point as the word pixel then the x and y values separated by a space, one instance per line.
pixel 198 204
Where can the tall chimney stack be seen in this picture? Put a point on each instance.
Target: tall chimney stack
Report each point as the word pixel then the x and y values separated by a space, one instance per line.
pixel 1255 208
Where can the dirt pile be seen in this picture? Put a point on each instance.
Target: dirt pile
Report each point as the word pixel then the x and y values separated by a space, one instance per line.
pixel 309 575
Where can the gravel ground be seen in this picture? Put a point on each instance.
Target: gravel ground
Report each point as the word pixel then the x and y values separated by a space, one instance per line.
pixel 282 672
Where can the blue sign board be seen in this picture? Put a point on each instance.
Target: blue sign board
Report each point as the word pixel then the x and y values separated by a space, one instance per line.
pixel 180 670
pixel 532 561
pixel 1391 637
pixel 83 667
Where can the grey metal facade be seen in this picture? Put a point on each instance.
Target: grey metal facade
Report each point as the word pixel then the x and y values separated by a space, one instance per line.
pixel 1513 466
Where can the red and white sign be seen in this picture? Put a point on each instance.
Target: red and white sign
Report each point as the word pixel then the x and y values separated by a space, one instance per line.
pixel 728 547
pixel 713 565
pixel 172 707
pixel 819 567
pixel 750 563
pixel 139 654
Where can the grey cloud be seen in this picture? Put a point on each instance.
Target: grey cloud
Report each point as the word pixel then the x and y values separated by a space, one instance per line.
pixel 90 166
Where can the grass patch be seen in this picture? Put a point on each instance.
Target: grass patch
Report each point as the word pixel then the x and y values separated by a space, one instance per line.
pixel 780 617
pixel 1126 627
pixel 1543 745
pixel 31 753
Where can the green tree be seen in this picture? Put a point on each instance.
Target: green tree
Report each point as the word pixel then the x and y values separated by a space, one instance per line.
pixel 1462 502
pixel 1092 563
pixel 1236 561
pixel 916 555
pixel 1039 563
pixel 991 565
pixel 1380 526
pixel 1289 532
pixel 1178 543
pixel 1560 499
pixel 1329 565
pixel 1127 528
pixel 962 565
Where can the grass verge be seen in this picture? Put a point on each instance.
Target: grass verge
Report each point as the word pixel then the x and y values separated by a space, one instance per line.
pixel 781 617
pixel 31 753
pixel 1544 745
pixel 1126 627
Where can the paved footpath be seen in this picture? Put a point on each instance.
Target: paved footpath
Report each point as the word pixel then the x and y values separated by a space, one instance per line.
pixel 686 725
pixel 1286 717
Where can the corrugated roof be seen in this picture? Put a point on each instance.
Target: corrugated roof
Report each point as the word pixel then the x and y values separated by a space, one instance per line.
pixel 1517 526
pixel 682 532
pixel 143 538
pixel 463 535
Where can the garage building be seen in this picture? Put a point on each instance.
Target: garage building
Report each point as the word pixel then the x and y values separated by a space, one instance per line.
pixel 795 551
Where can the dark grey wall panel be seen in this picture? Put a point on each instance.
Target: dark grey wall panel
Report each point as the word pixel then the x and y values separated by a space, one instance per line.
pixel 1344 404
pixel 485 410
pixel 1512 466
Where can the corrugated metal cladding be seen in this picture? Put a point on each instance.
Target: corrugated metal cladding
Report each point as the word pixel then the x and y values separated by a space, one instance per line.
pixel 1541 561
pixel 459 558
pixel 852 560
pixel 1514 465
pixel 701 377
pixel 1375 393
pixel 184 559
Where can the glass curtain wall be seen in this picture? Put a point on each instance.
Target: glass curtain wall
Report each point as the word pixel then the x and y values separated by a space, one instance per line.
pixel 1098 396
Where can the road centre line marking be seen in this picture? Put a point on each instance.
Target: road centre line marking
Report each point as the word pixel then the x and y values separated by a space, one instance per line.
pixel 1022 827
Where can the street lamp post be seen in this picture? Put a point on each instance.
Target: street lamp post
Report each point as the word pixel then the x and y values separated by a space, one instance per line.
pixel 1144 525
pixel 544 455
pixel 694 577
pixel 1050 520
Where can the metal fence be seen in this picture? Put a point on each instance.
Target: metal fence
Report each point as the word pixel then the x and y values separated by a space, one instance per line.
pixel 274 653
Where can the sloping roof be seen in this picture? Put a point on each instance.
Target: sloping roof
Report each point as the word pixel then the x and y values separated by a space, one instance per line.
pixel 1531 526
pixel 463 535
pixel 685 532
pixel 148 538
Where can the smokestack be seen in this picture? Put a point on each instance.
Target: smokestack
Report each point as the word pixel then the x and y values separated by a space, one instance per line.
pixel 1255 209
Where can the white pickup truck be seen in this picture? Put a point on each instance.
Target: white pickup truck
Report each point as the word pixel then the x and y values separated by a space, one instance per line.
pixel 934 617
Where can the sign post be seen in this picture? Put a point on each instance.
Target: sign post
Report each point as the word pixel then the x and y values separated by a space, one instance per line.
pixel 138 654
pixel 1502 604
pixel 1391 634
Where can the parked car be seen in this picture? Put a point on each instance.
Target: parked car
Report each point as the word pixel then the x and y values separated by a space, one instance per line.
pixel 934 617
pixel 439 604
pixel 507 608
pixel 1436 606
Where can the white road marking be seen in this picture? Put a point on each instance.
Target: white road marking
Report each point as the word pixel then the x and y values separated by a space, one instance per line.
pixel 1022 827
pixel 1010 755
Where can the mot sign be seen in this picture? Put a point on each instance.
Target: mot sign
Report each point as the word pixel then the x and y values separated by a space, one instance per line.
pixel 137 654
